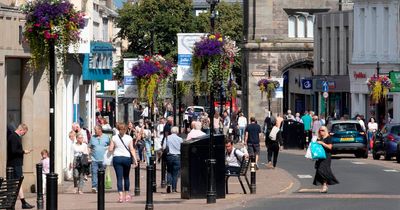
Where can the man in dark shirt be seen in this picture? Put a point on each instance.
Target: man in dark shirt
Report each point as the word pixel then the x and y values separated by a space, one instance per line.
pixel 252 138
pixel 15 157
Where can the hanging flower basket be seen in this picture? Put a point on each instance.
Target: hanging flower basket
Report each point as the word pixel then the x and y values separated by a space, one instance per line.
pixel 213 56
pixel 151 73
pixel 268 87
pixel 51 21
pixel 379 87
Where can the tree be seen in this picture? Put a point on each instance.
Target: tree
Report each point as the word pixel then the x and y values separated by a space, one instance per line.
pixel 151 25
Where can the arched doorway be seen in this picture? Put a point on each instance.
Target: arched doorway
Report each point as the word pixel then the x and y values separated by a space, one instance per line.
pixel 295 96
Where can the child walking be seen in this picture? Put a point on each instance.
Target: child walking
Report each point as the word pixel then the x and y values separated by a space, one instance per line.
pixel 45 161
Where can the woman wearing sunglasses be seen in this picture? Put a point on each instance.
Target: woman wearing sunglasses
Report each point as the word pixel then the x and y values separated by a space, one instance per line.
pixel 324 175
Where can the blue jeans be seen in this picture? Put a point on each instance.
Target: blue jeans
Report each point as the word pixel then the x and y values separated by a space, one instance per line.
pixel 96 165
pixel 173 167
pixel 241 131
pixel 122 167
pixel 147 144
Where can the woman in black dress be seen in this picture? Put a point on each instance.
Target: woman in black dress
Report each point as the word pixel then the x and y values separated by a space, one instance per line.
pixel 324 175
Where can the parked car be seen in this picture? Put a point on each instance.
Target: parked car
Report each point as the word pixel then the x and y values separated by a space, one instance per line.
pixel 348 137
pixel 196 111
pixel 387 142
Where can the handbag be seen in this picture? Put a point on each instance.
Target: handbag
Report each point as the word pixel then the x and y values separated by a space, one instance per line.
pixel 132 159
pixel 317 151
pixel 272 134
pixel 108 158
pixel 308 153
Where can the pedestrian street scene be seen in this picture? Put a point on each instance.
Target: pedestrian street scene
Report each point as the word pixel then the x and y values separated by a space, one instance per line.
pixel 217 104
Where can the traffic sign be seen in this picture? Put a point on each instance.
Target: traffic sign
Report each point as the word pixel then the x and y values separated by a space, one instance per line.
pixel 325 94
pixel 325 86
pixel 306 84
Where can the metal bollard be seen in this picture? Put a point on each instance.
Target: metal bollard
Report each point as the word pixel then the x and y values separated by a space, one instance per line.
pixel 39 186
pixel 163 172
pixel 253 175
pixel 149 185
pixel 100 188
pixel 52 194
pixel 137 179
pixel 154 182
pixel 10 173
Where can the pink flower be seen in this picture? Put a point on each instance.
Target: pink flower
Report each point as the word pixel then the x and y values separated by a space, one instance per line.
pixel 47 35
pixel 37 25
pixel 30 29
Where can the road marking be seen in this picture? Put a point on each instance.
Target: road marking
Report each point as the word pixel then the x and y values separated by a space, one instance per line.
pixel 391 170
pixel 287 188
pixel 304 176
pixel 305 190
pixel 359 163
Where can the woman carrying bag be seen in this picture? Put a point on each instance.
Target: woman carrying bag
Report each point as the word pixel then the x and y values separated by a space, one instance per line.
pixel 324 175
pixel 273 143
pixel 124 156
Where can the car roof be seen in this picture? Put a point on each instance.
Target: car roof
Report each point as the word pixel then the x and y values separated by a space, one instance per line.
pixel 343 121
pixel 198 107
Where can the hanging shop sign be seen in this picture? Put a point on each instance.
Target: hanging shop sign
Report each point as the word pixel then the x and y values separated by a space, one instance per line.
pixel 185 53
pixel 395 78
pixel 97 65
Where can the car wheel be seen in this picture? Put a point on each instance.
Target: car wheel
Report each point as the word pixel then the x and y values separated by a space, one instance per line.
pixel 358 154
pixel 376 156
pixel 398 157
pixel 365 155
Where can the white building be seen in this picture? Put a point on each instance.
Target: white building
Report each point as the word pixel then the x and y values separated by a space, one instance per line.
pixel 376 39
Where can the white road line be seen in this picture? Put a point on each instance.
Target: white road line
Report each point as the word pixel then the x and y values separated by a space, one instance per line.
pixel 287 188
pixel 359 163
pixel 304 176
pixel 391 170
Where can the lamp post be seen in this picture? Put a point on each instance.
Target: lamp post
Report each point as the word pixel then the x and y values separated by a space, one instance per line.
pixel 174 87
pixel 269 97
pixel 231 80
pixel 211 185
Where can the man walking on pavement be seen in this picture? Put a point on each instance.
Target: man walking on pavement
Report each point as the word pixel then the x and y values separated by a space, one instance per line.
pixel 97 147
pixel 15 158
pixel 307 120
pixel 252 139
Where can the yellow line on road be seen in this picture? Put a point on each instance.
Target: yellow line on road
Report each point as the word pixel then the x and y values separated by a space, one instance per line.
pixel 287 188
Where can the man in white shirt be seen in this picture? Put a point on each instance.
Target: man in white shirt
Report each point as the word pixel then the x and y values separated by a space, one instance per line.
pixel 196 131
pixel 361 122
pixel 233 158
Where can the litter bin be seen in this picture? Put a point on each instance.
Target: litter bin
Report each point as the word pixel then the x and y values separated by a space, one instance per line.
pixel 293 134
pixel 194 176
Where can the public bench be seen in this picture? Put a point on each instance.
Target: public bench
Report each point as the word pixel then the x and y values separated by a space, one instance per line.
pixel 9 189
pixel 244 166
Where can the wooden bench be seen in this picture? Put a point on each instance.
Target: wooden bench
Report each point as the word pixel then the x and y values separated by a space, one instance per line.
pixel 244 166
pixel 9 189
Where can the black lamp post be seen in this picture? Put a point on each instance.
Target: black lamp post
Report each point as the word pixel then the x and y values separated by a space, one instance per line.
pixel 174 89
pixel 211 185
pixel 52 192
pixel 231 81
pixel 269 97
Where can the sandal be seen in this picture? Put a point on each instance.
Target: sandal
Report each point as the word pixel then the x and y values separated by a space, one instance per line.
pixel 128 198
pixel 120 200
pixel 324 189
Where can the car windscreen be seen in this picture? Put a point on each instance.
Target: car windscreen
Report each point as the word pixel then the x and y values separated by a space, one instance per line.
pixel 198 110
pixel 395 130
pixel 343 127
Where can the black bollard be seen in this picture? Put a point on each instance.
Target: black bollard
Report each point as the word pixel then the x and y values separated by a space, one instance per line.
pixel 211 190
pixel 100 189
pixel 51 191
pixel 137 179
pixel 39 186
pixel 10 173
pixel 253 175
pixel 163 172
pixel 149 185
pixel 154 182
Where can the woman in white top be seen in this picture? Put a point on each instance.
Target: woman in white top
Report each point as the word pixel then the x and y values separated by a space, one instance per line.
pixel 242 123
pixel 372 128
pixel 79 149
pixel 147 140
pixel 159 137
pixel 124 155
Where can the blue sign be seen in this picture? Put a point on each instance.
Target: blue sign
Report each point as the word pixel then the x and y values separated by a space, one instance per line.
pixel 98 64
pixel 306 84
pixel 185 59
pixel 325 87
pixel 130 80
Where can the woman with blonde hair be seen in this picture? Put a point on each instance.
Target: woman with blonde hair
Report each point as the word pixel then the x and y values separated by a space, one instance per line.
pixel 323 175
pixel 124 155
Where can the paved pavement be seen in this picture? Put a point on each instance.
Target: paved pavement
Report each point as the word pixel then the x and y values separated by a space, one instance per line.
pixel 269 182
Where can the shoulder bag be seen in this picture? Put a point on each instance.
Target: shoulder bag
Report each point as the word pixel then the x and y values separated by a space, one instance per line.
pixel 132 159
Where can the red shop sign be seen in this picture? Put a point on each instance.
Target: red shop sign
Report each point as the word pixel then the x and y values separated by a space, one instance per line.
pixel 359 75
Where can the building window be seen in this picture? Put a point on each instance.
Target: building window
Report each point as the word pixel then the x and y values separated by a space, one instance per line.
pixel 301 26
pixel 105 29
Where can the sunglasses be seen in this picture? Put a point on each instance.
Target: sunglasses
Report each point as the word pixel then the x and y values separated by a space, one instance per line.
pixel 322 131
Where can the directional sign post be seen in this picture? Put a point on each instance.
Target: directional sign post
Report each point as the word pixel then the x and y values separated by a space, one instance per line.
pixel 325 86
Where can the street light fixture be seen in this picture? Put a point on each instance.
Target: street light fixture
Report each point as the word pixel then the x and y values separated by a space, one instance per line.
pixel 211 185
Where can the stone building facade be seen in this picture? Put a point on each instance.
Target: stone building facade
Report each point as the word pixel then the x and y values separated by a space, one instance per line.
pixel 24 97
pixel 279 34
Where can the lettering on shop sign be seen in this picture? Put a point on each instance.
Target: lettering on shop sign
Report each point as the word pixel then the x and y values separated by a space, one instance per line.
pixel 258 73
pixel 359 75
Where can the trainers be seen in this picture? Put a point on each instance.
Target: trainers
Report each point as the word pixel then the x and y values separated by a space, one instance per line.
pixel 94 190
pixel 270 166
pixel 169 188
pixel 27 206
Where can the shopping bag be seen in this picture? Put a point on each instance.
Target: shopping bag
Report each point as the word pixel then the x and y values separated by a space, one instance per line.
pixel 108 158
pixel 108 181
pixel 68 174
pixel 317 151
pixel 308 153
